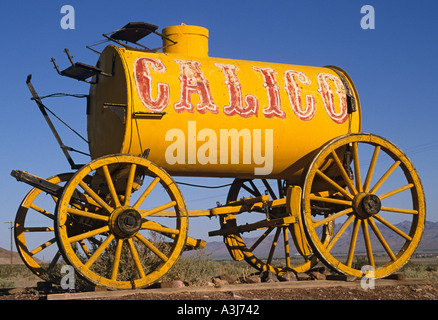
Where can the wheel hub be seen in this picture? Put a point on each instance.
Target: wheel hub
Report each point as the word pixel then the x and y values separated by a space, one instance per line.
pixel 125 221
pixel 366 205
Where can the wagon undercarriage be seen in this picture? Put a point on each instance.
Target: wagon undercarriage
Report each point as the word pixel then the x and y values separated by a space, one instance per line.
pixel 99 218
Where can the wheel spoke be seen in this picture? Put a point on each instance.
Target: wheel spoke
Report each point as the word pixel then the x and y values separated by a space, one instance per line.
pixel 38 229
pixel 155 226
pixel 408 211
pixel 353 242
pixel 382 240
pixel 260 239
pixel 166 206
pixel 273 245
pixel 340 232
pixel 254 191
pixel 366 237
pixel 270 191
pixel 395 191
pixel 88 234
pixel 371 169
pixel 151 247
pixel 136 259
pixel 116 262
pixel 334 184
pixel 87 214
pixel 280 188
pixel 392 227
pixel 54 260
pixel 109 182
pixel 254 187
pixel 357 167
pixel 42 211
pixel 343 173
pixel 146 193
pixel 43 246
pixel 99 251
pixel 84 248
pixel 385 176
pixel 331 200
pixel 95 196
pixel 129 183
pixel 332 217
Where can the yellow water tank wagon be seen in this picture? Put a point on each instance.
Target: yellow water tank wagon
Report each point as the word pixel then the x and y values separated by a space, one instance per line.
pixel 206 116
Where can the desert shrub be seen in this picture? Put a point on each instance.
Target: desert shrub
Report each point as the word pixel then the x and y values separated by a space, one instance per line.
pixel 198 269
pixel 420 270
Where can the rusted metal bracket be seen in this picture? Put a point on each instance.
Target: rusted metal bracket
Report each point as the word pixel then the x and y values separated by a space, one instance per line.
pixel 79 71
pixel 149 115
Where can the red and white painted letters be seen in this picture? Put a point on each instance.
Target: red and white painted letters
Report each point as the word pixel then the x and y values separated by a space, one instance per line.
pixel 236 107
pixel 143 81
pixel 193 82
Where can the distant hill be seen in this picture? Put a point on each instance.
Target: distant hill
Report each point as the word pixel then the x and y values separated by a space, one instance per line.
pixel 429 241
pixel 5 257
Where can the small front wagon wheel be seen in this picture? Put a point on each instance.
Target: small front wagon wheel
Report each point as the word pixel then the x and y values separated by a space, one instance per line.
pixel 34 233
pixel 371 191
pixel 118 239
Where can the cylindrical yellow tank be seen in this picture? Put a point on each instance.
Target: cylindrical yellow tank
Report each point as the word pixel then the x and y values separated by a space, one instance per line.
pixel 204 116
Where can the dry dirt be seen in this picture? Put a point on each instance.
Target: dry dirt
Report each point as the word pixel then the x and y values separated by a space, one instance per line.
pixel 408 289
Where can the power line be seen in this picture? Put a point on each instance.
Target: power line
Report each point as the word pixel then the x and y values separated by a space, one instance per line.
pixel 423 147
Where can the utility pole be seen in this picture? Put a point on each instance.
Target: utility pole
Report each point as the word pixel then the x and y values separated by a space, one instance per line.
pixel 11 228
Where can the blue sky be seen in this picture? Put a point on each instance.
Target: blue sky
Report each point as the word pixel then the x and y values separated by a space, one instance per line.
pixel 394 68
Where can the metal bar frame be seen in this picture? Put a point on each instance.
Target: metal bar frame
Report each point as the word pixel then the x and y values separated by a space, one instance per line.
pixel 42 108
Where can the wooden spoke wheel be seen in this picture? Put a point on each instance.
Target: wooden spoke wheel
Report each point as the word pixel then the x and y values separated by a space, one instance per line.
pixel 34 233
pixel 110 230
pixel 267 247
pixel 371 191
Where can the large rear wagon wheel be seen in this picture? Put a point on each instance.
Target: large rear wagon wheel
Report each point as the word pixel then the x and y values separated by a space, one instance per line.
pixel 270 248
pixel 375 199
pixel 117 240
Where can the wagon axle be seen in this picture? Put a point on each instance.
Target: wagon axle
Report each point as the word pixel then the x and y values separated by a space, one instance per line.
pixel 366 205
pixel 125 222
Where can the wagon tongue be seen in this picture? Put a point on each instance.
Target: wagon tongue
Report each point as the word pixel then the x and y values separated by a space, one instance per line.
pixel 40 183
